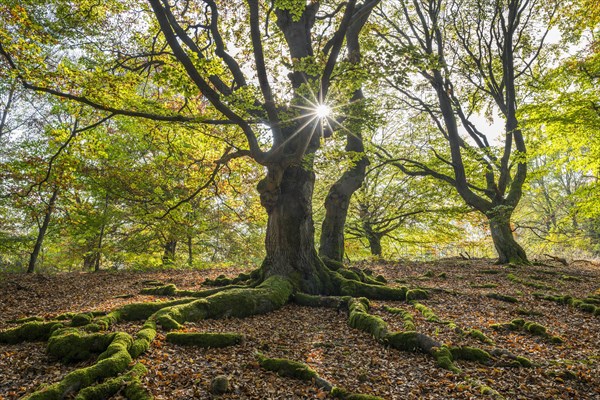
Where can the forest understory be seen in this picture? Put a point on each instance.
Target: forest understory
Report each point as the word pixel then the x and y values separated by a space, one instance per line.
pixel 465 299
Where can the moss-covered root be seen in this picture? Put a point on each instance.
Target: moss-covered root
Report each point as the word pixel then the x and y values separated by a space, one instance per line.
pixel 136 312
pixel 342 394
pixel 590 304
pixel 206 340
pixel 287 368
pixel 112 362
pixel 355 288
pixel 71 344
pixel 533 328
pixel 502 297
pixel 30 331
pixel 407 317
pixel 309 300
pixel 130 382
pixel 272 294
pixel 360 319
pixel 171 290
pixel 298 370
pixel 143 338
pixel 244 278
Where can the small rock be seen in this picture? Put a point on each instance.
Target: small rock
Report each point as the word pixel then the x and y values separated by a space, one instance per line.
pixel 219 385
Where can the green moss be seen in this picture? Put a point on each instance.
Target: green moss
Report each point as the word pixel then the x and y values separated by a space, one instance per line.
pixel 112 362
pixel 523 311
pixel 490 271
pixel 332 264
pixel 590 308
pixel 381 279
pixel 143 339
pixel 524 362
pixel 407 317
pixel 71 344
pixel 443 357
pixel 29 331
pixel 273 293
pixel 470 354
pixel 111 386
pixel 376 292
pixel 524 282
pixel 81 319
pixel 213 340
pixel 405 341
pixel 136 391
pixel 346 273
pixel 442 275
pixel 343 394
pixel 416 294
pixel 570 278
pixel 427 312
pixel 477 334
pixel 287 368
pixel 26 319
pixel 502 297
pixel 309 300
pixel 535 328
pixel 360 319
pixel 166 290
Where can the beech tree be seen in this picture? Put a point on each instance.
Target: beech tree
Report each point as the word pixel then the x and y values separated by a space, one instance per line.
pixel 469 58
pixel 187 54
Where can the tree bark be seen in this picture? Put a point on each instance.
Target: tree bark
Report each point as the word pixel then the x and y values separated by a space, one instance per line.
pixel 42 232
pixel 169 252
pixel 509 251
pixel 289 240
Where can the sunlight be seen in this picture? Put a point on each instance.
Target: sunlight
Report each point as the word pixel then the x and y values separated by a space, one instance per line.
pixel 323 111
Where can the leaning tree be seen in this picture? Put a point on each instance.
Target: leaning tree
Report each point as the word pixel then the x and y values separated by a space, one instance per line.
pixel 224 66
pixel 468 59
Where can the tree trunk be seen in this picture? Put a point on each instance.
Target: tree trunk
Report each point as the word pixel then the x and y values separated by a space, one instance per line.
pixel 42 232
pixel 169 252
pixel 336 205
pixel 374 244
pixel 509 251
pixel 289 242
pixel 190 250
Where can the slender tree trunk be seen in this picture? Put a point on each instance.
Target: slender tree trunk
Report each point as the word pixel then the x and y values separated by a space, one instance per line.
pixel 331 243
pixel 169 252
pixel 336 205
pixel 99 249
pixel 190 250
pixel 289 240
pixel 509 251
pixel 42 232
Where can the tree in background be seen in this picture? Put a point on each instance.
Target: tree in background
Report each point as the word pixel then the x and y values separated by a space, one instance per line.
pixel 460 66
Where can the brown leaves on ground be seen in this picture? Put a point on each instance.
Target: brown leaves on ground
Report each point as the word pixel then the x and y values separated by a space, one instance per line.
pixel 322 339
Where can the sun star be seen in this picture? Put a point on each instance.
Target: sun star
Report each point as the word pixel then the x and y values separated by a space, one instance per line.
pixel 323 111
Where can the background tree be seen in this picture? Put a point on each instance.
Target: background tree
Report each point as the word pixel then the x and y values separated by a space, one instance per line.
pixel 461 66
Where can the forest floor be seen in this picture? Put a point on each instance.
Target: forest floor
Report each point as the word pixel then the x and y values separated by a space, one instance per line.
pixel 322 338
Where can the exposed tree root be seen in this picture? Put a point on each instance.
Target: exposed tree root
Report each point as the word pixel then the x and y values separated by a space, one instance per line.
pixel 589 304
pixel 533 328
pixel 298 370
pixel 502 297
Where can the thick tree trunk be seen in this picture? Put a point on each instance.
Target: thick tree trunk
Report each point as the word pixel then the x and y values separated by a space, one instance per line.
pixel 289 242
pixel 169 252
pixel 42 233
pixel 509 251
